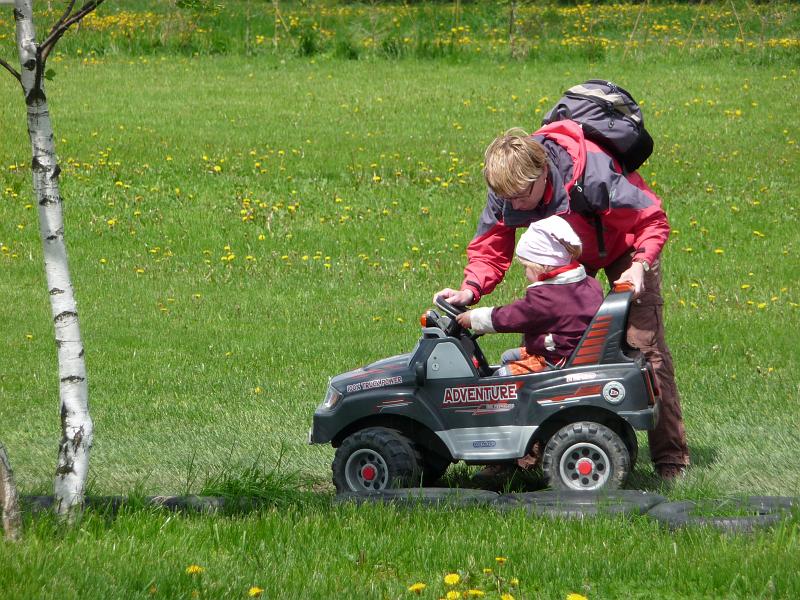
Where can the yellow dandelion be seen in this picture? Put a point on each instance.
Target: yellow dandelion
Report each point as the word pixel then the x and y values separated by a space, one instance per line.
pixel 453 595
pixel 500 560
pixel 574 596
pixel 194 570
pixel 514 581
pixel 745 286
pixel 452 578
pixel 506 597
pixel 476 593
pixel 487 571
pixel 255 591
pixel 417 588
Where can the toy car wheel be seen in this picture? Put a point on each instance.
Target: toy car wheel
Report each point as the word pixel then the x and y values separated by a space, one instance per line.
pixel 585 456
pixel 375 458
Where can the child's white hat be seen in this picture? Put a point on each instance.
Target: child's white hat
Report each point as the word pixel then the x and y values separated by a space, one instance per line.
pixel 544 242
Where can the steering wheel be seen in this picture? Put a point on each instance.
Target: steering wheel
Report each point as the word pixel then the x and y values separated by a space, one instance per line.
pixel 450 310
pixel 456 330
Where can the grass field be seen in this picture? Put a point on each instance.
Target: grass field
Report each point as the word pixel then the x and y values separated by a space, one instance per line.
pixel 241 227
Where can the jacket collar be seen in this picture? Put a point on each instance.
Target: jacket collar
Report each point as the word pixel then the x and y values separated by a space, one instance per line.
pixel 573 275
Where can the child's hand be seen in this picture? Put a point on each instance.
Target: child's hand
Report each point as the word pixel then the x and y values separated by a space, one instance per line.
pixel 464 319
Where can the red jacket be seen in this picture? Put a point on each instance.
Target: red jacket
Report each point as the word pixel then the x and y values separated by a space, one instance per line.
pixel 631 213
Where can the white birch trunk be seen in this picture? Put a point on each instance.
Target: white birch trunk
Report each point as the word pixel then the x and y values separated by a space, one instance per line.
pixel 76 424
pixel 9 501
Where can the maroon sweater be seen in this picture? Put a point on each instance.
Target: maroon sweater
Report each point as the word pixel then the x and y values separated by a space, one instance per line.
pixel 553 315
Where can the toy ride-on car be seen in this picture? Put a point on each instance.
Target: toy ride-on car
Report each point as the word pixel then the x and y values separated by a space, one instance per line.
pixel 401 421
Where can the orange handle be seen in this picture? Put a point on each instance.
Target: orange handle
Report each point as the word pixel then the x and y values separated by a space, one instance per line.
pixel 623 287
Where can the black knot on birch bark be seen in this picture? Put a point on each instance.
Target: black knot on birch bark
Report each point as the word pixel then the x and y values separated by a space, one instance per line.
pixel 58 234
pixel 65 469
pixel 56 172
pixel 18 15
pixel 36 165
pixel 73 379
pixel 34 96
pixel 49 200
pixel 56 291
pixel 76 441
pixel 67 314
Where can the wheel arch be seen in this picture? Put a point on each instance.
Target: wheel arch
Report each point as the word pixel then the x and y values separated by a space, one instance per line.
pixel 588 413
pixel 411 428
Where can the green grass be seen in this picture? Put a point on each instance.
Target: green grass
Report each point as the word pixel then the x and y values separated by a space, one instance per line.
pixel 207 371
pixel 377 552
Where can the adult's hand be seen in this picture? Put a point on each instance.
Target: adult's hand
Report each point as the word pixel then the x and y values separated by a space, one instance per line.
pixel 635 276
pixel 455 297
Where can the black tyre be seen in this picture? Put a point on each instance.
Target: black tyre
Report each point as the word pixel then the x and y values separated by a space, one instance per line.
pixel 764 511
pixel 586 456
pixel 574 504
pixel 414 497
pixel 373 459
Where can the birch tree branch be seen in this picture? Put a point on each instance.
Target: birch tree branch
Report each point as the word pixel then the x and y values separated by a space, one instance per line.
pixel 11 70
pixel 63 24
pixel 63 17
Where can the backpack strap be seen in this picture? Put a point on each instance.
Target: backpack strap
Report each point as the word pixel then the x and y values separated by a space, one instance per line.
pixel 579 203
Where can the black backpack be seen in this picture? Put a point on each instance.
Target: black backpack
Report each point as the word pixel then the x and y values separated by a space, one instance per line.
pixel 610 117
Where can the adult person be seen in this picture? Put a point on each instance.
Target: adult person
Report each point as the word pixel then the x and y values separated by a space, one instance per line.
pixel 623 229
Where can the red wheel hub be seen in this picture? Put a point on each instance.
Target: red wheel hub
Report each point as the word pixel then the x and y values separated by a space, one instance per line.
pixel 368 473
pixel 585 466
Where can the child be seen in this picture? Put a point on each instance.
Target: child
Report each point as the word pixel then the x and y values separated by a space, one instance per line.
pixel 558 305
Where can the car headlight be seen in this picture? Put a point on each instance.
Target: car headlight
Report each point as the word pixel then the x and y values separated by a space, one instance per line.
pixel 332 398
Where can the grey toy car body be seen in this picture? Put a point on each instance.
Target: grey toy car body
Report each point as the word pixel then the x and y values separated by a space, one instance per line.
pixel 402 420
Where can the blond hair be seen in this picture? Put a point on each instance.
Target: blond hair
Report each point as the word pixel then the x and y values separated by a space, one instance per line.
pixel 512 162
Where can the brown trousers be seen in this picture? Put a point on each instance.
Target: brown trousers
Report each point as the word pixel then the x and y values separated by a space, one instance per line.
pixel 646 332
